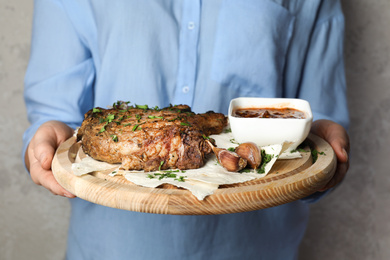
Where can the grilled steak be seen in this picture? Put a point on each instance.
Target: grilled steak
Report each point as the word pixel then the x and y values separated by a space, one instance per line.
pixel 142 138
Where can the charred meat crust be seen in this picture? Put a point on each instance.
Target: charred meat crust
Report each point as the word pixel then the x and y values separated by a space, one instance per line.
pixel 149 139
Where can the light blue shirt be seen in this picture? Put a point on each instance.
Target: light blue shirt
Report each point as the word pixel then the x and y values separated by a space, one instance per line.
pixel 201 53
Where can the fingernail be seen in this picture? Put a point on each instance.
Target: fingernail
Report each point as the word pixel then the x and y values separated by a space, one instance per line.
pixel 345 154
pixel 68 195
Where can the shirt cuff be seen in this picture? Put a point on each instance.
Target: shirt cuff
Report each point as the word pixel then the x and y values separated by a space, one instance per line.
pixel 317 196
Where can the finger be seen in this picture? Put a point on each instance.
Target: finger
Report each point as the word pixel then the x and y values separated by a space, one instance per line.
pixel 338 177
pixel 46 179
pixel 48 137
pixel 44 146
pixel 340 146
pixel 50 183
pixel 44 152
pixel 335 135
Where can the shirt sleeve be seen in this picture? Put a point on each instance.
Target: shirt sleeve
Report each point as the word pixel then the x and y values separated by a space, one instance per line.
pixel 323 81
pixel 60 74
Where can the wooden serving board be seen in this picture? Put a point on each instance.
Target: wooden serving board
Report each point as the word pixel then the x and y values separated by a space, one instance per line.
pixel 289 180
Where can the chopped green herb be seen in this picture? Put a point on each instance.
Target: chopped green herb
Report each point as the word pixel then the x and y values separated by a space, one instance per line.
pixel 170 171
pixel 128 124
pixel 142 106
pixel 110 118
pixel 161 164
pixel 135 127
pixel 314 155
pixel 114 138
pixel 231 149
pixel 103 128
pixel 121 105
pixel 233 141
pixel 154 117
pixel 227 130
pixel 185 124
pixel 138 117
pixel 167 175
pixel 96 110
pixel 299 150
pixel 112 174
pixel 177 118
pixel 180 179
pixel 205 137
pixel 265 159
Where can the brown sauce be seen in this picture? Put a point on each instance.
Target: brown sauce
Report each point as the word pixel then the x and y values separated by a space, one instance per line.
pixel 269 113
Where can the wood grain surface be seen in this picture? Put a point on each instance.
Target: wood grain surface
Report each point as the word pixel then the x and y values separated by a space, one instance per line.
pixel 289 180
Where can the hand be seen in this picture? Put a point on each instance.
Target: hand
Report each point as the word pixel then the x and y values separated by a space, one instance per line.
pixel 337 137
pixel 40 153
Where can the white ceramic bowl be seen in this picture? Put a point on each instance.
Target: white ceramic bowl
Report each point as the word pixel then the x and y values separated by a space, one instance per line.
pixel 268 131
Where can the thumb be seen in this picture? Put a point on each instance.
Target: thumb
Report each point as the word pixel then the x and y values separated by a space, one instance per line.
pixel 44 149
pixel 47 140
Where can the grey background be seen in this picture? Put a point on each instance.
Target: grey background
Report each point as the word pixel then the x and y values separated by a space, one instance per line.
pixel 352 223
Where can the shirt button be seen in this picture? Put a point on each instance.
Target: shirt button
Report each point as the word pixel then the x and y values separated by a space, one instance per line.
pixel 185 89
pixel 191 25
